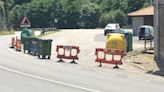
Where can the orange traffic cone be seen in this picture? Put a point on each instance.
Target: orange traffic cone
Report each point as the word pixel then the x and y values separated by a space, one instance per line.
pixel 12 42
pixel 18 44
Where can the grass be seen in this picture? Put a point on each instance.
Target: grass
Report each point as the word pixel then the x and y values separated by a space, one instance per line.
pixel 7 32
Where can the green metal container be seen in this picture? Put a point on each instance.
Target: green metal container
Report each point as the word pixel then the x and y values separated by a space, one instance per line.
pixel 129 40
pixel 26 44
pixel 44 49
pixel 25 33
pixel 34 46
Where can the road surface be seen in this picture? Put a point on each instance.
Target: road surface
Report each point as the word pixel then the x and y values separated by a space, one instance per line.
pixel 24 73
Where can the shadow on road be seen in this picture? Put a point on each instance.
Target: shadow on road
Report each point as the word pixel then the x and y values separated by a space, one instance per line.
pixel 159 72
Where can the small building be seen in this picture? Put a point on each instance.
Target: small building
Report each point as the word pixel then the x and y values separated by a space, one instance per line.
pixel 142 17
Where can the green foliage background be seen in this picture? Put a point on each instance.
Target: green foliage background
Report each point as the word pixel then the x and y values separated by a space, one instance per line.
pixel 68 13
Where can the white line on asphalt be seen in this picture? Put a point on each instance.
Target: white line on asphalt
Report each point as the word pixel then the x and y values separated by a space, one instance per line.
pixel 50 80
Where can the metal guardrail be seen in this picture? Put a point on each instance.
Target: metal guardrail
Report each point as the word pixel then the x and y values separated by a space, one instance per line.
pixel 44 30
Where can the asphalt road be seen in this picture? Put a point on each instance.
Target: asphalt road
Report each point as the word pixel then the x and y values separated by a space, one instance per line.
pixel 24 73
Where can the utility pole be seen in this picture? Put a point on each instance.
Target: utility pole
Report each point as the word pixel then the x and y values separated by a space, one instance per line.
pixel 156 27
pixel 159 29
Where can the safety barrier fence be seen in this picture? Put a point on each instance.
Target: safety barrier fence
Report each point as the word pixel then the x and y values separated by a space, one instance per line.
pixel 67 52
pixel 109 56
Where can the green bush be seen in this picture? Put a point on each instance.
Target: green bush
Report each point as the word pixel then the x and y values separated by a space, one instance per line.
pixel 116 16
pixel 107 18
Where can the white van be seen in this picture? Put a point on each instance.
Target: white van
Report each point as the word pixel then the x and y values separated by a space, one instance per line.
pixel 111 27
pixel 145 32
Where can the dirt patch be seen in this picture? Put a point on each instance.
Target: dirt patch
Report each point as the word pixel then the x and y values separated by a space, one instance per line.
pixel 142 61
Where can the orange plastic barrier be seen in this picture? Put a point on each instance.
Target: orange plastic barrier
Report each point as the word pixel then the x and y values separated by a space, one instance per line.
pixel 12 42
pixel 18 44
pixel 110 56
pixel 66 52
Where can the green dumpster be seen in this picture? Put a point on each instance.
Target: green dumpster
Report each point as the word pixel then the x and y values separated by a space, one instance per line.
pixel 44 49
pixel 34 46
pixel 129 40
pixel 26 44
pixel 25 33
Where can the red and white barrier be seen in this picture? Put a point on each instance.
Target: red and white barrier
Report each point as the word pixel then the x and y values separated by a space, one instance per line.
pixel 67 52
pixel 110 56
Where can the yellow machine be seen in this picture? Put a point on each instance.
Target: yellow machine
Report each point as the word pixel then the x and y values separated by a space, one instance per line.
pixel 116 41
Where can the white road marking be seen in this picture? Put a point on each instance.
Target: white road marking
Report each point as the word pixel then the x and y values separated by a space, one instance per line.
pixel 50 80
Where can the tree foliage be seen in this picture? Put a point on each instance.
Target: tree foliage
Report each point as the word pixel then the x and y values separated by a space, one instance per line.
pixel 69 13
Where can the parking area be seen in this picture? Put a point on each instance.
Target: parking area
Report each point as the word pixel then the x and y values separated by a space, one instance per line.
pixel 90 39
pixel 87 40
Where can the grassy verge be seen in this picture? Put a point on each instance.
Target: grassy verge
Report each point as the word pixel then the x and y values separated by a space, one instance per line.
pixel 7 32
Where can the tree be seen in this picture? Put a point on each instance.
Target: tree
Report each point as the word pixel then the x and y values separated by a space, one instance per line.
pixel 90 14
pixel 107 18
pixel 38 12
pixel 70 13
pixel 22 1
pixel 17 14
pixel 120 17
pixel 117 16
pixel 138 4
